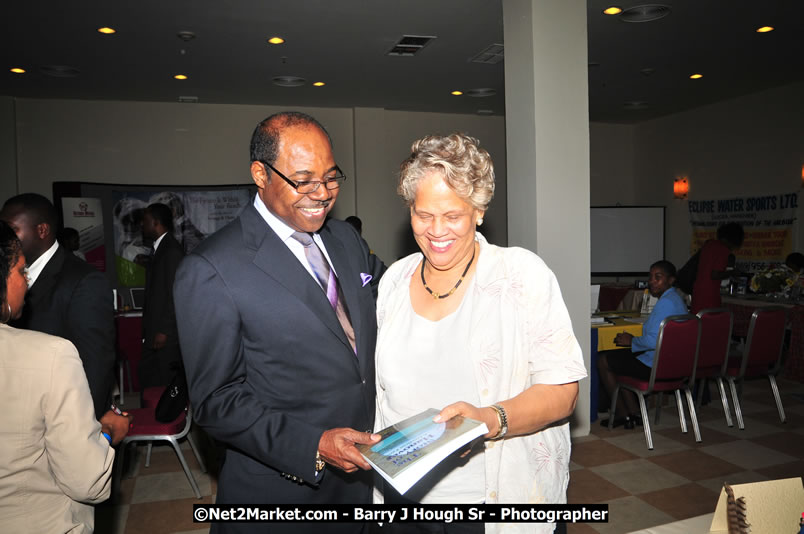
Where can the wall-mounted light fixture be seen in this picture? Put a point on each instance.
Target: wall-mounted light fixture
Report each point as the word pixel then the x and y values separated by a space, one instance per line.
pixel 802 176
pixel 681 188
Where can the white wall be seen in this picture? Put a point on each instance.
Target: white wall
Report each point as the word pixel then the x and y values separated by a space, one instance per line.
pixel 746 146
pixel 207 144
pixel 8 149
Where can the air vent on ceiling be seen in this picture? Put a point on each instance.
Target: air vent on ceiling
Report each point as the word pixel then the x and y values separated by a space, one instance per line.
pixel 645 13
pixel 481 92
pixel 410 45
pixel 289 81
pixel 59 71
pixel 188 99
pixel 491 55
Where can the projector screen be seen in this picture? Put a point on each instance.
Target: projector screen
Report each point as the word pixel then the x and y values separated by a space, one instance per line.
pixel 626 240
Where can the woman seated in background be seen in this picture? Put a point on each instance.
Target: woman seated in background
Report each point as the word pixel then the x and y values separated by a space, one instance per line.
pixel 54 459
pixel 480 331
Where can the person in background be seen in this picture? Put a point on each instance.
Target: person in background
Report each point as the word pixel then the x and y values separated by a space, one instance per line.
pixel 277 325
pixel 161 355
pixel 55 458
pixel 638 360
pixel 713 266
pixel 479 331
pixel 70 239
pixel 66 297
pixel 355 221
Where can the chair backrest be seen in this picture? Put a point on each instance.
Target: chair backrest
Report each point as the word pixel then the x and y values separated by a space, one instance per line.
pixel 716 325
pixel 763 347
pixel 677 348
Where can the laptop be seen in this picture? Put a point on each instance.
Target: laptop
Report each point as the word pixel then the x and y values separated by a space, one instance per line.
pixel 137 297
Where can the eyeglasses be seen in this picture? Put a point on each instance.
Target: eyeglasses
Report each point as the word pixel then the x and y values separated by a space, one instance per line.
pixel 307 187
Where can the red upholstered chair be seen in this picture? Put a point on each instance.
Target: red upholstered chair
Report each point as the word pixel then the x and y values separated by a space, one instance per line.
pixel 673 367
pixel 762 355
pixel 713 353
pixel 147 428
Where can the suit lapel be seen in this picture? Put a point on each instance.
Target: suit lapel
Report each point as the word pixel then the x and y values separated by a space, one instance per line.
pixel 277 261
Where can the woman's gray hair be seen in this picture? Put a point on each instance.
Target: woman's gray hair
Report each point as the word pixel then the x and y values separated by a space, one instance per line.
pixel 466 168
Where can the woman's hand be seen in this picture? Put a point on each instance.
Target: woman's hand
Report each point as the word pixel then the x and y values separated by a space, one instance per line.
pixel 486 415
pixel 623 339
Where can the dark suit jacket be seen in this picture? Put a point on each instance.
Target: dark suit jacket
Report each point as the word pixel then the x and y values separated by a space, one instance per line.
pixel 268 365
pixel 73 300
pixel 158 314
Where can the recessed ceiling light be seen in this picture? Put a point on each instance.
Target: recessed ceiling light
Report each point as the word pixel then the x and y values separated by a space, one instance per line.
pixel 180 77
pixel 107 30
pixel 319 84
pixel 456 93
pixel 276 40
pixel 765 29
pixel 613 10
pixel 644 13
pixel 635 105
pixel 696 76
pixel 59 71
pixel 17 70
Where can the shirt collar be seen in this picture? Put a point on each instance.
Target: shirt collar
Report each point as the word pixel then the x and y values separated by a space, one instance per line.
pixel 35 269
pixel 159 240
pixel 277 225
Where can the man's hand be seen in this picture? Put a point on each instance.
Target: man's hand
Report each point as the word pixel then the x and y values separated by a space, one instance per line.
pixel 159 341
pixel 623 339
pixel 337 448
pixel 116 425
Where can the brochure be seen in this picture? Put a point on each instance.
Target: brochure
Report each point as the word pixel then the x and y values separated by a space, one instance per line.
pixel 409 449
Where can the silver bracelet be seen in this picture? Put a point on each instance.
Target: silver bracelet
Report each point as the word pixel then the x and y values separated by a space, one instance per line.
pixel 502 418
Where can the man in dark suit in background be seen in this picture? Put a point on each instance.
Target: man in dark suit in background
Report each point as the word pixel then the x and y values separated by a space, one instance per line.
pixel 160 350
pixel 67 298
pixel 277 326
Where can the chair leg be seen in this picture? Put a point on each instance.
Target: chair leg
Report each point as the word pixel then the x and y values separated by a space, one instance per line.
pixel 195 452
pixel 725 401
pixel 659 399
pixel 699 397
pixel 680 406
pixel 776 396
pixel 613 407
pixel 186 468
pixel 738 411
pixel 122 386
pixel 148 454
pixel 693 415
pixel 645 421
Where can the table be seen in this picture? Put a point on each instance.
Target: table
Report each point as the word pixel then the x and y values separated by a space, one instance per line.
pixel 743 307
pixel 602 338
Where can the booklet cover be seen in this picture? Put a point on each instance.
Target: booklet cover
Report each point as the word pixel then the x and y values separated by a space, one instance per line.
pixel 409 449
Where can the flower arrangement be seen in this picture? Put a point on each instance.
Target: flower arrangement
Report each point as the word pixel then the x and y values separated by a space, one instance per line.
pixel 776 279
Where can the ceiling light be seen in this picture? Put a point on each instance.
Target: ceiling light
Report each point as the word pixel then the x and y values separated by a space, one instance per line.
pixel 613 10
pixel 186 36
pixel 17 70
pixel 696 76
pixel 635 105
pixel 180 77
pixel 765 29
pixel 456 93
pixel 107 30
pixel 319 84
pixel 276 40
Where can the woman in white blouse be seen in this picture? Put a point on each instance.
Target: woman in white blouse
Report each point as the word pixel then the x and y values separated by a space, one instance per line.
pixel 480 331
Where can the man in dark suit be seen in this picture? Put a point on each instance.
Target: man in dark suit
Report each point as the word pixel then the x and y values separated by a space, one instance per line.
pixel 160 350
pixel 66 297
pixel 279 371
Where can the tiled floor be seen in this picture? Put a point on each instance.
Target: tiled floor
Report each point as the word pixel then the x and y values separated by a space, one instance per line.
pixel 678 479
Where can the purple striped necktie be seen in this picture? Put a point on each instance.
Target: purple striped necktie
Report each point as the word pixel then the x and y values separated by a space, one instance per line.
pixel 329 283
